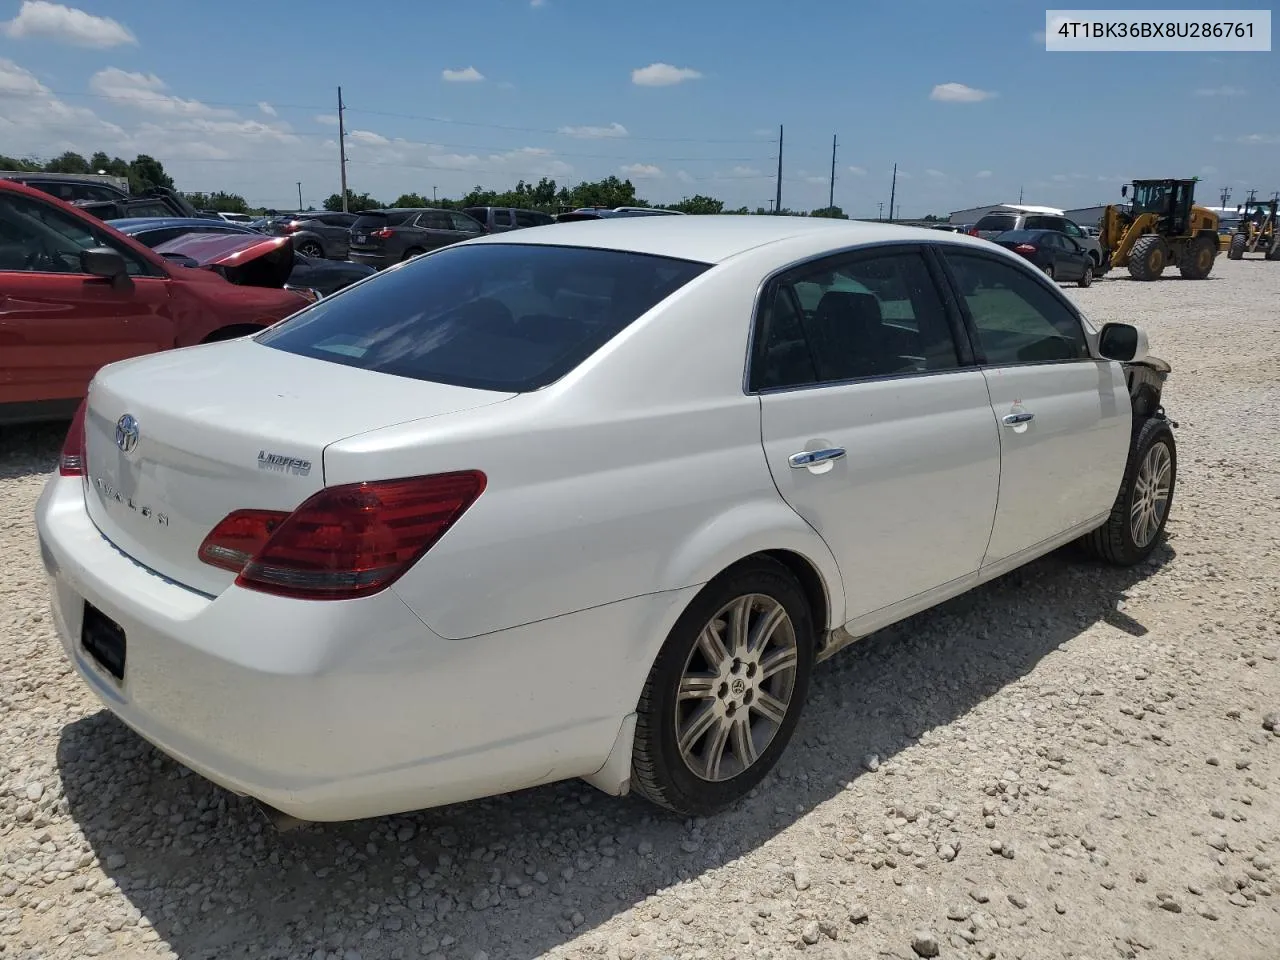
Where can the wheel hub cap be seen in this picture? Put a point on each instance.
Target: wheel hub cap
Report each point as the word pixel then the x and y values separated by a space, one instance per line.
pixel 736 688
pixel 1151 490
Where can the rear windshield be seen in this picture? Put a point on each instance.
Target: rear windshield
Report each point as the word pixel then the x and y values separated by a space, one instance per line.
pixel 997 221
pixel 492 316
pixel 374 221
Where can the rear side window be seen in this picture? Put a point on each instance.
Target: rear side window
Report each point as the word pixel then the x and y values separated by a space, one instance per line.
pixel 509 317
pixel 997 221
pixel 376 221
pixel 527 218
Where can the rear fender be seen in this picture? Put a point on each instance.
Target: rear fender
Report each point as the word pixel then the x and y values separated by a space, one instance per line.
pixel 751 528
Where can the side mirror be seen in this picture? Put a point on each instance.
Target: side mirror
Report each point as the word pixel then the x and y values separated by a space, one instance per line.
pixel 1123 342
pixel 105 262
pixel 1124 191
pixel 1237 208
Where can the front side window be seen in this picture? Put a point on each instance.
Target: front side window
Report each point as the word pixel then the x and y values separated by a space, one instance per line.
pixel 1018 319
pixel 851 318
pixel 38 238
pixel 508 317
pixel 464 224
pixel 1071 229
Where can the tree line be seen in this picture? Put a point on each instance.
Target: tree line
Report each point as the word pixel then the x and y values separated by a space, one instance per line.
pixel 546 195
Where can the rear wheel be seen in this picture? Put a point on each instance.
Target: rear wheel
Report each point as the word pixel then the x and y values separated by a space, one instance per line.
pixel 1141 508
pixel 1048 271
pixel 1198 259
pixel 411 253
pixel 725 693
pixel 1086 276
pixel 309 248
pixel 1148 257
pixel 1238 244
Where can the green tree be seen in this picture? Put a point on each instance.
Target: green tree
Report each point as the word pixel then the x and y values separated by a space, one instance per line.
pixel 698 204
pixel 146 172
pixel 832 213
pixel 219 201
pixel 68 162
pixel 411 200
pixel 355 202
pixel 12 163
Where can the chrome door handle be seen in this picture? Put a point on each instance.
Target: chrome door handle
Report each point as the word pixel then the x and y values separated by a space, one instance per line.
pixel 1013 419
pixel 809 457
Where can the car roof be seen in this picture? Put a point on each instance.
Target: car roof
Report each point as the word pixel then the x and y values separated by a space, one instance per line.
pixel 716 238
pixel 125 224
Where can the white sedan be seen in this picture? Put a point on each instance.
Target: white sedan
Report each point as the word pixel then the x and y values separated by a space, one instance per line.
pixel 587 500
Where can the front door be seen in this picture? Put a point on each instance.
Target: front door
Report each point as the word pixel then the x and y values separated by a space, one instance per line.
pixel 1063 416
pixel 875 430
pixel 58 325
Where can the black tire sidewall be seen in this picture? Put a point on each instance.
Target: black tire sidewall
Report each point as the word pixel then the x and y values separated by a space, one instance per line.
pixel 1154 430
pixel 687 792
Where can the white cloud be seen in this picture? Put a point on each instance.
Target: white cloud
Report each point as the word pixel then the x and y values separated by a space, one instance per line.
pixel 34 122
pixel 684 176
pixel 959 93
pixel 1060 178
pixel 466 75
pixel 595 133
pixel 858 171
pixel 537 3
pixel 1223 91
pixel 145 91
pixel 367 136
pixel 267 108
pixel 662 75
pixel 936 174
pixel 328 119
pixel 982 175
pixel 642 171
pixel 1257 138
pixel 41 20
pixel 744 172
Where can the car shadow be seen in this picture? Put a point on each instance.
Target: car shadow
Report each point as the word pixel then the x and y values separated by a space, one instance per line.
pixel 30 450
pixel 475 871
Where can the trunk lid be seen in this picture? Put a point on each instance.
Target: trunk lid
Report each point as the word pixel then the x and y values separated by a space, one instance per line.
pixel 177 441
pixel 251 260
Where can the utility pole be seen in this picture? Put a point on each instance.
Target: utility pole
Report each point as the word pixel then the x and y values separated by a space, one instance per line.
pixel 1020 195
pixel 342 150
pixel 1275 195
pixel 1226 195
pixel 777 203
pixel 880 216
pixel 893 191
pixel 831 194
pixel 433 193
pixel 299 196
pixel 1253 193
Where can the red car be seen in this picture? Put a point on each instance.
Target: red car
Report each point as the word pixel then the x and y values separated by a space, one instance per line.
pixel 76 295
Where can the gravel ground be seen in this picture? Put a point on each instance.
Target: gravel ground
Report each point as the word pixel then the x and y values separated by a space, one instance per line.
pixel 1069 762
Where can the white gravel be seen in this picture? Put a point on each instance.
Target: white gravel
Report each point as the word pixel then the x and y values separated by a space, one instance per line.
pixel 1070 762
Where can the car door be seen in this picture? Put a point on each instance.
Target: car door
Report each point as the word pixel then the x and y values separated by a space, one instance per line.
pixel 875 422
pixel 468 227
pixel 1063 415
pixel 58 324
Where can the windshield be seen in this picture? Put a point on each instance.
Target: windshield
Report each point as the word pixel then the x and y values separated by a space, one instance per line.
pixel 1150 197
pixel 510 317
pixel 997 221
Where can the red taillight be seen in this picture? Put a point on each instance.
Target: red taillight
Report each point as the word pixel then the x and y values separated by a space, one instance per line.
pixel 293 227
pixel 240 535
pixel 974 233
pixel 1024 248
pixel 382 233
pixel 71 463
pixel 343 542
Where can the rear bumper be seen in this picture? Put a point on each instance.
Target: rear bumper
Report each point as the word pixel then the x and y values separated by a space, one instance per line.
pixel 379 261
pixel 337 711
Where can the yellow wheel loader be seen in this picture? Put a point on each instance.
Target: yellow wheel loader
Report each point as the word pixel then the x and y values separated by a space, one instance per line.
pixel 1160 227
pixel 1256 232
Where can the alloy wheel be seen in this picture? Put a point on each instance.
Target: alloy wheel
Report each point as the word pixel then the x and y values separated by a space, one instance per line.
pixel 1150 495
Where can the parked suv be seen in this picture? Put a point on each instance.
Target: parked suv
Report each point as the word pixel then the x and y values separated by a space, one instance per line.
pixel 501 219
pixel 316 233
pixel 998 222
pixel 381 238
pixel 76 294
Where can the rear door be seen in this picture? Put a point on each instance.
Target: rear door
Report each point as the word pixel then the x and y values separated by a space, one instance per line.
pixel 58 325
pixel 875 422
pixel 1063 417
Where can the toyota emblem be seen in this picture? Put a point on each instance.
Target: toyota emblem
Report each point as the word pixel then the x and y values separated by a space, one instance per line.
pixel 127 433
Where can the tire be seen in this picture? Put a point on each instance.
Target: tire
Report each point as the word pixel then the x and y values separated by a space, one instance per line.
pixel 1114 541
pixel 1238 244
pixel 1086 277
pixel 411 253
pixel 1197 262
pixel 1148 257
pixel 692 782
pixel 309 248
pixel 1048 272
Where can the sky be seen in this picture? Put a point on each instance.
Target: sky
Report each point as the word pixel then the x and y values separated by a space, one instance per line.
pixel 683 98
